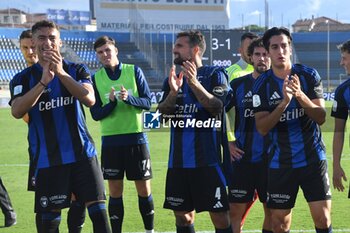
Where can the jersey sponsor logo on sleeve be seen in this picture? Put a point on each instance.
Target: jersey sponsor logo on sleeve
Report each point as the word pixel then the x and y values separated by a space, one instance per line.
pixel 256 101
pixel 17 90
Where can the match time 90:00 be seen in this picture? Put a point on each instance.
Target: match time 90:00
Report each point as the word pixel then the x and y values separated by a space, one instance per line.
pixel 222 47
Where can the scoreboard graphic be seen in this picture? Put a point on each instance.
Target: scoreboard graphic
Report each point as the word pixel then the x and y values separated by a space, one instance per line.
pixel 222 47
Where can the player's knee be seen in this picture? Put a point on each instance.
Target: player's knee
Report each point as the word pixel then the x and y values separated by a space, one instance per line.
pixel 221 220
pixel 279 226
pixel 322 221
pixel 237 211
pixel 184 219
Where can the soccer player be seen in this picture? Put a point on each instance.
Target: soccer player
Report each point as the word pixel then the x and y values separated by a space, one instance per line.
pixel 6 206
pixel 76 212
pixel 27 47
pixel 243 65
pixel 52 92
pixel 28 51
pixel 289 108
pixel 122 93
pixel 195 181
pixel 248 151
pixel 340 112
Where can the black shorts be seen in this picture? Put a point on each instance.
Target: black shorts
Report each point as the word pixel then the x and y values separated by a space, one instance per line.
pixel 283 185
pixel 200 189
pixel 247 178
pixel 55 185
pixel 31 177
pixel 134 160
pixel 31 172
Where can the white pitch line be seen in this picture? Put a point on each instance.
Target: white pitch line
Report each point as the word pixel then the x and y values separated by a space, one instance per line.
pixel 253 231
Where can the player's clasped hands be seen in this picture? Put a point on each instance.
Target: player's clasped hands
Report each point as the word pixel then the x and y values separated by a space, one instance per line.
pixel 175 83
pixel 189 70
pixel 52 54
pixel 123 94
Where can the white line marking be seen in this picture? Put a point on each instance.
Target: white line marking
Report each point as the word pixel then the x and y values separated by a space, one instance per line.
pixel 253 231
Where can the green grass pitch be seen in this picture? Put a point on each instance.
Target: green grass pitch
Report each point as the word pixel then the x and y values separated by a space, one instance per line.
pixel 14 169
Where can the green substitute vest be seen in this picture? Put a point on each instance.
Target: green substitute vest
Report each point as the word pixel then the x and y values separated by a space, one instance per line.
pixel 239 69
pixel 124 119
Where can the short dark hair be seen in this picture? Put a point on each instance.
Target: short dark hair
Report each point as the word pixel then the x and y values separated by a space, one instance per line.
pixel 196 38
pixel 103 40
pixel 275 31
pixel 44 24
pixel 344 47
pixel 26 34
pixel 256 43
pixel 249 35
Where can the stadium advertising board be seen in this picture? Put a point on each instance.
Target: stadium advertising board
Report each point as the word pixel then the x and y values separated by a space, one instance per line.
pixel 161 15
pixel 67 17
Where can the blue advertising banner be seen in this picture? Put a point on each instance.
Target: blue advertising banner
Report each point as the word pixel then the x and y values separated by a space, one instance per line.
pixel 68 17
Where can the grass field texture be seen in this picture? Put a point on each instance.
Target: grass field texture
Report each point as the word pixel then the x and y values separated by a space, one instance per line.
pixel 14 169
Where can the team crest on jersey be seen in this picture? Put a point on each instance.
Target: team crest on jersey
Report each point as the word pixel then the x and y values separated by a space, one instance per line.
pixel 218 91
pixel 44 202
pixel 256 101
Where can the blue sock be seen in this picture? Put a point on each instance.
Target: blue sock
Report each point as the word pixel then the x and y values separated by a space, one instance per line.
pixel 98 216
pixel 266 231
pixel 327 230
pixel 146 208
pixel 227 230
pixel 76 217
pixel 116 213
pixel 185 229
pixel 50 222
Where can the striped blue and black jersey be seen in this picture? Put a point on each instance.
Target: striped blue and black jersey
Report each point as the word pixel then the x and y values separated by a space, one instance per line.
pixel 57 128
pixel 341 103
pixel 196 135
pixel 247 137
pixel 296 140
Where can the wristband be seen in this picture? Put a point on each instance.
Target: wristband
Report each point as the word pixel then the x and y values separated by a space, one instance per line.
pixel 42 83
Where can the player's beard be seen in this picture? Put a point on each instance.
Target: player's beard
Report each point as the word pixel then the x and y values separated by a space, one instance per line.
pixel 179 60
pixel 261 69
